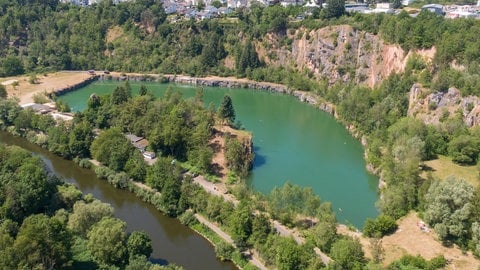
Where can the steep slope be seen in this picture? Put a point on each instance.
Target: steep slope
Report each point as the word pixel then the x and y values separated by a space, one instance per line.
pixel 336 53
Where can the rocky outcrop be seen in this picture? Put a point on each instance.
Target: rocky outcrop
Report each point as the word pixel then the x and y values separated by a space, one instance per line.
pixel 336 53
pixel 433 107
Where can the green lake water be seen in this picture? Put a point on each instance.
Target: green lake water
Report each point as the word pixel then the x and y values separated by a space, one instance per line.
pixel 293 142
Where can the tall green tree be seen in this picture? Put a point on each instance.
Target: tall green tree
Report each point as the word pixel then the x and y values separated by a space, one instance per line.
pixel 347 253
pixel 139 243
pixel 448 208
pixel 226 112
pixel 80 140
pixel 107 242
pixel 112 149
pixel 43 241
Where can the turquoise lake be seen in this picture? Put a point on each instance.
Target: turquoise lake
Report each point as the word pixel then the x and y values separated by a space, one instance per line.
pixel 293 142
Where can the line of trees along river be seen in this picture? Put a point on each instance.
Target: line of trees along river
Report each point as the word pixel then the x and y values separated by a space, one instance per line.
pixel 172 242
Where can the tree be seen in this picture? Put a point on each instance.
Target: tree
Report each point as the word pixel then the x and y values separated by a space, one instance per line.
pixel 12 66
pixel 121 94
pixel 112 149
pixel 324 234
pixel 334 9
pixel 347 253
pixel 289 255
pixel 143 90
pixel 25 186
pixel 80 140
pixel 261 228
pixel 464 149
pixel 380 226
pixel 226 112
pixel 42 241
pixel 237 156
pixel 3 91
pixel 161 171
pixel 68 195
pixel 247 58
pixel 106 242
pixel 448 208
pixel 84 215
pixel 139 243
pixel 240 223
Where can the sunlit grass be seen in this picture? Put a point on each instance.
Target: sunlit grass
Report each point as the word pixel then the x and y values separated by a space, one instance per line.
pixel 444 167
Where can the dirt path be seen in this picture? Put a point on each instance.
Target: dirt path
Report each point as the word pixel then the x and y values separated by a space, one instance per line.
pixel 252 256
pixel 217 189
pixel 410 239
pixel 48 83
pixel 287 232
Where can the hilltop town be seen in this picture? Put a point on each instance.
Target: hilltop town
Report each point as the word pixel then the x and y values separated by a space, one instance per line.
pixel 207 9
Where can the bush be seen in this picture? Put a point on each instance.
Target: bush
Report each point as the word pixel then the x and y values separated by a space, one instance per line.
pixel 380 226
pixel 85 163
pixel 119 180
pixel 103 172
pixel 187 218
pixel 224 251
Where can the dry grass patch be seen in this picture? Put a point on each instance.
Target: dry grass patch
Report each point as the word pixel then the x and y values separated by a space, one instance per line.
pixel 410 239
pixel 47 83
pixel 443 167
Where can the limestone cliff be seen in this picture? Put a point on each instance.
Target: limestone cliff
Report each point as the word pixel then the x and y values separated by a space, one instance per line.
pixel 336 53
pixel 432 107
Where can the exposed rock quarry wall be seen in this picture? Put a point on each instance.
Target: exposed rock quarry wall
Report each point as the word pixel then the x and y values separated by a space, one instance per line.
pixel 432 107
pixel 338 53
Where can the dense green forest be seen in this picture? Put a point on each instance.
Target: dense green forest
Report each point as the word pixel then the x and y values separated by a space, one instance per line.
pixel 42 36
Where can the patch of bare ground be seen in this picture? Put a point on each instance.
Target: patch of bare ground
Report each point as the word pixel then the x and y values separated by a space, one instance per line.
pixel 47 83
pixel 218 145
pixel 411 239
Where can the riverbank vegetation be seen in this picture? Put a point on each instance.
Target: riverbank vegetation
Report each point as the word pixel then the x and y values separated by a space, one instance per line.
pixel 48 224
pixel 43 36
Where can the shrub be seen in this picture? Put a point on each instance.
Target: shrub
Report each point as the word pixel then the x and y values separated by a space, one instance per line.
pixel 119 180
pixel 103 172
pixel 85 163
pixel 187 218
pixel 224 251
pixel 380 226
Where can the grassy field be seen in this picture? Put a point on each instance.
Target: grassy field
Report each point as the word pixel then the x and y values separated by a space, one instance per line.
pixel 443 167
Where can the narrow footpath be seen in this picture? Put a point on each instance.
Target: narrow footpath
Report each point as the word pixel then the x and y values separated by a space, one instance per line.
pixel 251 256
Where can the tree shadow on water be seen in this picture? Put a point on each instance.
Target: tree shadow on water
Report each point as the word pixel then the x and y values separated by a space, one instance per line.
pixel 259 159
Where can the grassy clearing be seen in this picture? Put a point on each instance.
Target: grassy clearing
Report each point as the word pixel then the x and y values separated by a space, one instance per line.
pixel 443 167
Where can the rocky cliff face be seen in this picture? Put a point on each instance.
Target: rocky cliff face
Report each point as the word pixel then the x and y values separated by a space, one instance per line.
pixel 432 107
pixel 337 53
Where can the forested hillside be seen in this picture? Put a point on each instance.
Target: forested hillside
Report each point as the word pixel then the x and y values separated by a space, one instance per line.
pixel 135 36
